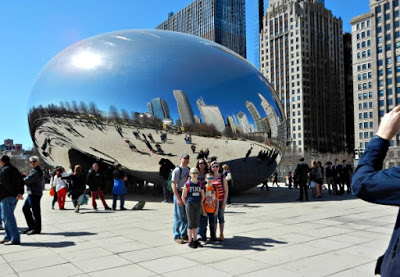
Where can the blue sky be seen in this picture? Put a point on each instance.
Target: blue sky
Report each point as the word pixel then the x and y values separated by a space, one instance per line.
pixel 33 32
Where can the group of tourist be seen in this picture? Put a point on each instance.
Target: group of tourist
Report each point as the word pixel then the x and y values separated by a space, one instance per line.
pixel 337 176
pixel 200 196
pixel 76 182
pixel 12 184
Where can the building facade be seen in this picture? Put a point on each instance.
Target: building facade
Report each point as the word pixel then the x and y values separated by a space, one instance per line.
pixel 348 92
pixel 221 21
pixel 211 114
pixel 376 71
pixel 301 54
pixel 159 108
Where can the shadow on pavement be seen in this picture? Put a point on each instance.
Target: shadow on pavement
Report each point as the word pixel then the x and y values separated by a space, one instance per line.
pixel 246 243
pixel 71 234
pixel 60 244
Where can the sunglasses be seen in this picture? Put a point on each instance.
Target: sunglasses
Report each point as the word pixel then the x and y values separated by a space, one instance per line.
pixel 195 173
pixel 210 178
pixel 201 163
pixel 32 162
pixel 186 158
pixel 215 166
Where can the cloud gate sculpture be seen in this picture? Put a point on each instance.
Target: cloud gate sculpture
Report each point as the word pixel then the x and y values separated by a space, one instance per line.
pixel 138 96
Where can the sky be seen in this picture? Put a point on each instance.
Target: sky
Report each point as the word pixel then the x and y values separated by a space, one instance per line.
pixel 32 32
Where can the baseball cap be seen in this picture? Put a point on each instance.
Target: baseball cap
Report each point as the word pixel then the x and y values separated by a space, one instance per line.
pixel 185 155
pixel 194 170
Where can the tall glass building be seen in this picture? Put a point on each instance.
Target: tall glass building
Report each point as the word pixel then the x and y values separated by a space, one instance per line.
pixel 221 21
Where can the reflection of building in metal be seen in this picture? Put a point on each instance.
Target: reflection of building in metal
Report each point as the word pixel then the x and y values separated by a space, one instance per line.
pixel 272 119
pixel 232 124
pixel 244 123
pixel 184 108
pixel 256 117
pixel 159 108
pixel 211 114
pixel 197 119
pixel 217 20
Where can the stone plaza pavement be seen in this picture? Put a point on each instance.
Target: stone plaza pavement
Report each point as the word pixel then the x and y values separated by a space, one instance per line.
pixel 267 234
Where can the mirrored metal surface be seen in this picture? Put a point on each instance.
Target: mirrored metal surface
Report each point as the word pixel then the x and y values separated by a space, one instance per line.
pixel 137 96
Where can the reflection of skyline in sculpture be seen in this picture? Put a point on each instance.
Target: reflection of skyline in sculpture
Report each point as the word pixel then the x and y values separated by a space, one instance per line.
pixel 256 117
pixel 184 108
pixel 244 123
pixel 159 108
pixel 272 119
pixel 232 124
pixel 211 114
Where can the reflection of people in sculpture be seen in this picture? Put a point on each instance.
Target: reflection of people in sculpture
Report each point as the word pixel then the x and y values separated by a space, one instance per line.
pixel 163 137
pixel 206 153
pixel 200 155
pixel 159 150
pixel 131 145
pixel 248 154
pixel 149 145
pixel 144 136
pixel 136 134
pixel 150 136
pixel 193 147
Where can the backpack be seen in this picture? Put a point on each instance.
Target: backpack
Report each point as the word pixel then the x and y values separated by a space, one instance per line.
pixel 169 181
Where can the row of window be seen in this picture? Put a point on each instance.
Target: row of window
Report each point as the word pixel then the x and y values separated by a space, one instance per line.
pixel 364 66
pixel 388 37
pixel 364 86
pixel 389 91
pixel 365 105
pixel 364 44
pixel 363 34
pixel 365 135
pixel 364 96
pixel 365 115
pixel 363 24
pixel 365 76
pixel 389 81
pixel 366 125
pixel 389 102
pixel 364 54
pixel 387 17
pixel 389 61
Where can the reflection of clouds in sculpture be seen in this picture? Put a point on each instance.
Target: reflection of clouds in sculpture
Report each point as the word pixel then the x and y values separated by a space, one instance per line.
pixel 127 88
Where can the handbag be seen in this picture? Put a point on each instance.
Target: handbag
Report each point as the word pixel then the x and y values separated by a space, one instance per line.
pixel 312 184
pixel 51 191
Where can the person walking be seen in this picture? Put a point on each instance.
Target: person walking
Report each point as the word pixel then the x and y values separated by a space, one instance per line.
pixel 11 190
pixel 119 187
pixel 275 177
pixel 34 187
pixel 60 187
pixel 381 186
pixel 316 177
pixel 77 185
pixel 95 181
pixel 336 177
pixel 346 172
pixel 329 176
pixel 179 178
pixel 301 177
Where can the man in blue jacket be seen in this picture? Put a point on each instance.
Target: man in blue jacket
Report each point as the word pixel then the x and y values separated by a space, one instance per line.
pixel 375 185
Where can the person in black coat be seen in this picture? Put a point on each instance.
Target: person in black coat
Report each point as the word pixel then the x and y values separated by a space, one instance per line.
pixel 373 184
pixel 301 177
pixel 166 166
pixel 95 181
pixel 77 185
pixel 337 169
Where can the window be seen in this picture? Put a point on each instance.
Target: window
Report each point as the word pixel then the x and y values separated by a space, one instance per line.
pixel 371 125
pixel 370 105
pixel 389 81
pixel 380 72
pixel 365 125
pixel 390 102
pixel 379 39
pixel 381 103
pixel 380 92
pixel 386 6
pixel 388 47
pixel 387 27
pixel 389 61
pixel 360 125
pixel 380 49
pixel 389 70
pixel 359 96
pixel 378 9
pixel 380 62
pixel 389 91
pixel 364 95
pixel 387 37
pixel 370 114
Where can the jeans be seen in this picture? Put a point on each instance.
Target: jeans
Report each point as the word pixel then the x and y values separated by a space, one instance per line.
pixel 121 199
pixel 61 194
pixel 202 230
pixel 167 196
pixel 55 198
pixel 7 206
pixel 31 211
pixel 180 221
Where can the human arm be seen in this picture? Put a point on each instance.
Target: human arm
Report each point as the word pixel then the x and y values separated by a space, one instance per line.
pixel 203 196
pixel 32 178
pixel 369 181
pixel 184 195
pixel 217 207
pixel 226 190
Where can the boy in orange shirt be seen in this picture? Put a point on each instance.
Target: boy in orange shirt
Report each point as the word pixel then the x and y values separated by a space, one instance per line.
pixel 210 209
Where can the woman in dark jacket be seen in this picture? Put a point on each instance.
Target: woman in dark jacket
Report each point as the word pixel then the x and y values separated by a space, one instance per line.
pixel 77 185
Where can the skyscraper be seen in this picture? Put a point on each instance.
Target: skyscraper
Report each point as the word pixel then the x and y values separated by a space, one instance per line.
pixel 272 120
pixel 184 108
pixel 221 21
pixel 256 116
pixel 159 108
pixel 301 54
pixel 244 123
pixel 260 7
pixel 211 115
pixel 376 64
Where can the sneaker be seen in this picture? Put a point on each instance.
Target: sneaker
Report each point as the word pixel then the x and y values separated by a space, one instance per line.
pixel 4 240
pixel 221 237
pixel 123 209
pixel 164 201
pixel 192 244
pixel 77 209
pixel 27 231
pixel 179 241
pixel 107 208
pixel 95 210
pixel 12 243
